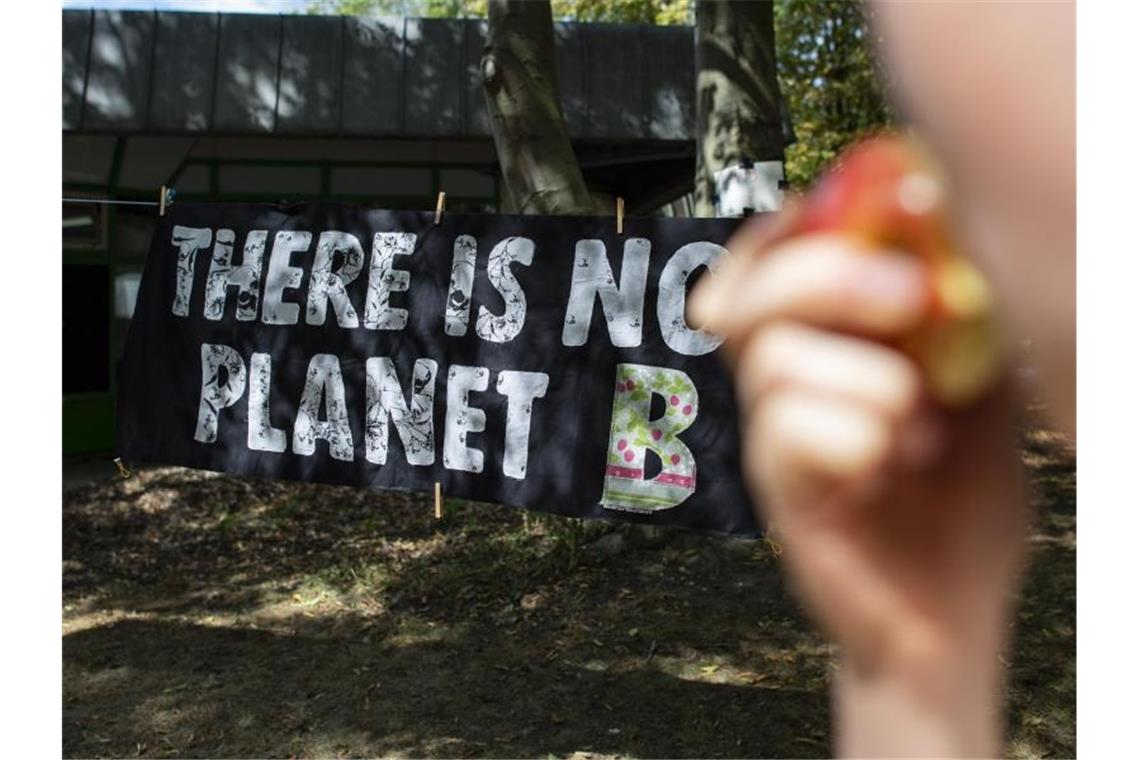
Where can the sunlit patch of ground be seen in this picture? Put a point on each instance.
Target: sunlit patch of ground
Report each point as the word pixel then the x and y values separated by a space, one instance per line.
pixel 213 616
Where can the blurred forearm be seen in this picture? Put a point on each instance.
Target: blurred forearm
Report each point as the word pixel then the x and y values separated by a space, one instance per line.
pixel 948 706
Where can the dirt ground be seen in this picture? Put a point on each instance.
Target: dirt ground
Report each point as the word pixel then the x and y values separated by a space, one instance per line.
pixel 213 616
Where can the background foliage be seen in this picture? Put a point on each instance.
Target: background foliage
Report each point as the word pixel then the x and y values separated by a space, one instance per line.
pixel 824 55
pixel 830 80
pixel 618 11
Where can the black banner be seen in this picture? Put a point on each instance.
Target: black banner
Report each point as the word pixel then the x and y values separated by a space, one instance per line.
pixel 538 362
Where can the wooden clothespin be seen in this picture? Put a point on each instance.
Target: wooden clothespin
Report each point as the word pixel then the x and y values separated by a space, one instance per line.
pixel 162 201
pixel 438 501
pixel 620 215
pixel 439 211
pixel 124 473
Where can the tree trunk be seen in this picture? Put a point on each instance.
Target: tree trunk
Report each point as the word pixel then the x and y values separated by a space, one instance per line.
pixel 738 97
pixel 520 84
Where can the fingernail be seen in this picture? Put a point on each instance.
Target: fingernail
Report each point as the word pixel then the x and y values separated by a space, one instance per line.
pixel 895 287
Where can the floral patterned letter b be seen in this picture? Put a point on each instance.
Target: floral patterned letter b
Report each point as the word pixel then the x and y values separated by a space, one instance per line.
pixel 632 432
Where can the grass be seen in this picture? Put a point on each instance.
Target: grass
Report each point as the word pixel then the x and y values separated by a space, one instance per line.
pixel 207 615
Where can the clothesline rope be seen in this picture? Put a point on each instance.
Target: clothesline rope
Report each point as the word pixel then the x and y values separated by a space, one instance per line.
pixel 166 197
pixel 109 202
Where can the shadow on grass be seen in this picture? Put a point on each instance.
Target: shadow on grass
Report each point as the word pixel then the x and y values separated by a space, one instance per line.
pixel 174 539
pixel 219 691
pixel 231 617
pixel 217 616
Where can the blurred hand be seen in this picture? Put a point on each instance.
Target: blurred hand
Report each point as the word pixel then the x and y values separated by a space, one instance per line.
pixel 901 523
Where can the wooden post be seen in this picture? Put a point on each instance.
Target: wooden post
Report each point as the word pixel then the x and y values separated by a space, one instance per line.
pixel 620 215
pixel 439 210
pixel 162 201
pixel 438 501
pixel 124 473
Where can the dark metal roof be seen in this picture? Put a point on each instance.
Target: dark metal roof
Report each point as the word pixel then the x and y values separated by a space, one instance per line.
pixel 178 73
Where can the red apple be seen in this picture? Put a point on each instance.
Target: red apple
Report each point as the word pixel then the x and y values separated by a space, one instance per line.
pixel 885 192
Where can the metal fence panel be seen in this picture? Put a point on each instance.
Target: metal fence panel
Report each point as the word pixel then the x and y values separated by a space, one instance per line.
pixel 248 60
pixel 258 74
pixel 670 81
pixel 476 122
pixel 569 59
pixel 118 82
pixel 372 88
pixel 615 85
pixel 185 51
pixel 76 44
pixel 434 72
pixel 309 92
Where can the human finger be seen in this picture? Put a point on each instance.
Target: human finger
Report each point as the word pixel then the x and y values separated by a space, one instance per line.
pixel 828 280
pixel 803 448
pixel 748 243
pixel 790 354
